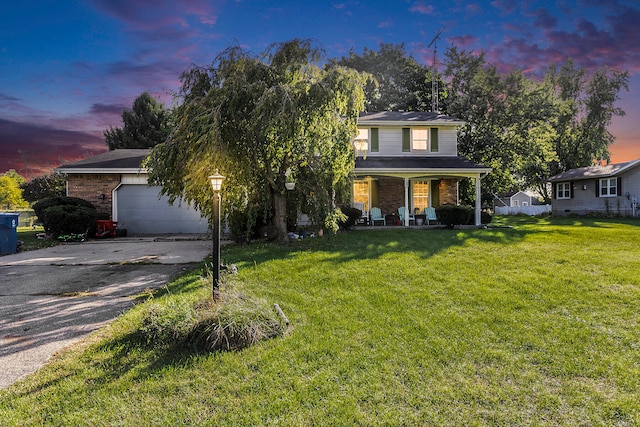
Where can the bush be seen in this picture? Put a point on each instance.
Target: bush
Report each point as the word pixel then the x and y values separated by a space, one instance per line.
pixel 68 219
pixel 452 215
pixel 352 214
pixel 68 214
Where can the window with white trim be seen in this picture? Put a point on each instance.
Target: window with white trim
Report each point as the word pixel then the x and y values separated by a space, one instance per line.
pixel 608 187
pixel 420 195
pixel 419 139
pixel 563 190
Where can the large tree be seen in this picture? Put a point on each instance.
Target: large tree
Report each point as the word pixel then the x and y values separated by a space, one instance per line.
pixel 528 130
pixel 145 125
pixel 401 83
pixel 262 121
pixel 42 187
pixel 10 193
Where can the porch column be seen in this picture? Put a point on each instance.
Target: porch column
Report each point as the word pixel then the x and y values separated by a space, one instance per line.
pixel 406 202
pixel 478 202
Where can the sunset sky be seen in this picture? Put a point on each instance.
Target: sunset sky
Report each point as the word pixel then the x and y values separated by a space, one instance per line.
pixel 69 68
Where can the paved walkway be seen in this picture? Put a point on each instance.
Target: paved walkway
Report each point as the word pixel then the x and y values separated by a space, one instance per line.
pixel 54 297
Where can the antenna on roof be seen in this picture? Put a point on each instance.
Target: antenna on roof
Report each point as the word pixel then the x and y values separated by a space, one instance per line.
pixel 434 71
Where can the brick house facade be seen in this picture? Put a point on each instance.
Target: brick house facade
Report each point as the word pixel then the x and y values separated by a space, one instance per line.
pixel 95 188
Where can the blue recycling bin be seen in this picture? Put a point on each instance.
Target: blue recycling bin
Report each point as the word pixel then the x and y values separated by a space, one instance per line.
pixel 8 233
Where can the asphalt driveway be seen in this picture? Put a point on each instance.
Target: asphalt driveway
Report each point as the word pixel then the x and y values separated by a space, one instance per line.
pixel 51 298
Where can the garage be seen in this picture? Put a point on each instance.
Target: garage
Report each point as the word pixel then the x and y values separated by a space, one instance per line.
pixel 139 211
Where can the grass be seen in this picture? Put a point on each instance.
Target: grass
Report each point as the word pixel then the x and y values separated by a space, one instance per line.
pixel 531 325
pixel 27 235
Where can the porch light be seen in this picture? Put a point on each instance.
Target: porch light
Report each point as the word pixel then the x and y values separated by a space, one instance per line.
pixel 216 181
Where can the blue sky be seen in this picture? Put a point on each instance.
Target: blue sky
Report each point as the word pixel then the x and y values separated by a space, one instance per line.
pixel 69 68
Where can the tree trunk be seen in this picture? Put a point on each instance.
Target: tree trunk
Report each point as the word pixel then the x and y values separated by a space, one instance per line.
pixel 279 220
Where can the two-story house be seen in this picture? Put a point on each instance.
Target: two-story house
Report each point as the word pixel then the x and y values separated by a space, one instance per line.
pixel 410 159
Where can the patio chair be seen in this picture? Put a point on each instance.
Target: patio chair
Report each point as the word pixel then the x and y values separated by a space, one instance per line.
pixel 401 212
pixel 364 218
pixel 376 215
pixel 430 215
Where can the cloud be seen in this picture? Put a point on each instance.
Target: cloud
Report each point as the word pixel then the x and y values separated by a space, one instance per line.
pixel 43 147
pixel 421 7
pixel 544 19
pixel 107 109
pixel 154 15
pixel 8 98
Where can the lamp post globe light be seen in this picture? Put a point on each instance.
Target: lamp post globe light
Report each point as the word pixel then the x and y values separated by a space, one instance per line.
pixel 216 185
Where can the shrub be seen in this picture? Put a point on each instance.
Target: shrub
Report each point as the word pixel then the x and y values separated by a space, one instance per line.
pixel 352 215
pixel 167 322
pixel 333 220
pixel 452 215
pixel 65 214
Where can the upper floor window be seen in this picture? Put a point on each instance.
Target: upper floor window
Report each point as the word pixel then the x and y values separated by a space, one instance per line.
pixel 420 139
pixel 608 187
pixel 563 190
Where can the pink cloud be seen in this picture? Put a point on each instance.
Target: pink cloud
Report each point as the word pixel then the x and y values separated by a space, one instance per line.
pixel 421 7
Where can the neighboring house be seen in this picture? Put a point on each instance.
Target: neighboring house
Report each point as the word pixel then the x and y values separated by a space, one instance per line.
pixel 512 199
pixel 410 159
pixel 116 184
pixel 607 190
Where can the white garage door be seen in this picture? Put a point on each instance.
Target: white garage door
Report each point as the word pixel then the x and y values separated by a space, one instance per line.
pixel 139 211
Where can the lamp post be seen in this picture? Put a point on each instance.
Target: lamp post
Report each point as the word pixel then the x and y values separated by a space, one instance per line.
pixel 216 185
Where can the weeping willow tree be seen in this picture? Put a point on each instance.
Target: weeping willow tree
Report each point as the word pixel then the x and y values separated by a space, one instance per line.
pixel 263 121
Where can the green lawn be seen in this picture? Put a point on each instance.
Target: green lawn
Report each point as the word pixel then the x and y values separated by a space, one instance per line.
pixel 30 241
pixel 532 325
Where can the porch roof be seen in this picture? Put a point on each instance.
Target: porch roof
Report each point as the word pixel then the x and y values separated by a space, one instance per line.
pixel 409 166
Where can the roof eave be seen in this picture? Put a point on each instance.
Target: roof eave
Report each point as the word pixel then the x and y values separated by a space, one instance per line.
pixel 407 123
pixel 409 172
pixel 102 170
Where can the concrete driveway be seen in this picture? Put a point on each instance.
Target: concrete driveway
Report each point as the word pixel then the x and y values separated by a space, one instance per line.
pixel 51 298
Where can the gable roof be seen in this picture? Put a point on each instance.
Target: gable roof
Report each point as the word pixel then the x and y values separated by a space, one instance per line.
pixel 591 172
pixel 404 118
pixel 116 161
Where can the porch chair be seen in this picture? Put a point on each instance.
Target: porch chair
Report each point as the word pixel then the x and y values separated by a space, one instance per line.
pixel 401 211
pixel 430 215
pixel 364 218
pixel 376 215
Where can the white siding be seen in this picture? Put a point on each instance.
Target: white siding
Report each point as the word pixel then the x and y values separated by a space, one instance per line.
pixel 390 143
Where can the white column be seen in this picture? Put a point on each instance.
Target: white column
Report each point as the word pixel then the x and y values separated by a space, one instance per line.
pixel 478 202
pixel 406 202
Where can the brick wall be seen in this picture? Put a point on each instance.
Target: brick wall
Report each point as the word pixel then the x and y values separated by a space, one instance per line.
pixel 91 187
pixel 391 193
pixel 448 189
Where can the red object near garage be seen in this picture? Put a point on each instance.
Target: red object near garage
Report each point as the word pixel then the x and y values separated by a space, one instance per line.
pixel 106 228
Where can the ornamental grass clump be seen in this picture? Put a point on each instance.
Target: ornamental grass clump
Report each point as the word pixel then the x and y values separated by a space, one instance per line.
pixel 235 322
pixel 168 321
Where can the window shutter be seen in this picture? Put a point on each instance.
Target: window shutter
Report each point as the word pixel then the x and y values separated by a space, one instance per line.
pixel 375 144
pixel 406 139
pixel 434 139
pixel 553 190
pixel 619 186
pixel 571 190
pixel 597 187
